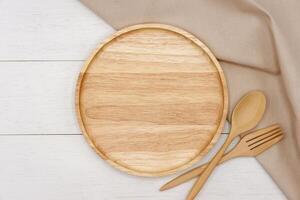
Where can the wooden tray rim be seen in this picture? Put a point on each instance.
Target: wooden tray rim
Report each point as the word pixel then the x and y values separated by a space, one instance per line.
pixel 188 36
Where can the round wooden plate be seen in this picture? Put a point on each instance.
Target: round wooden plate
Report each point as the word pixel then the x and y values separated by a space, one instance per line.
pixel 152 100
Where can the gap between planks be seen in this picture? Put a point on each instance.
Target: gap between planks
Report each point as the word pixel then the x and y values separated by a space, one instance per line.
pixel 25 61
pixel 47 134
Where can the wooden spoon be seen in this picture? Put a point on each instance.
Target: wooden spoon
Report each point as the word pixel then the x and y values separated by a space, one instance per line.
pixel 246 115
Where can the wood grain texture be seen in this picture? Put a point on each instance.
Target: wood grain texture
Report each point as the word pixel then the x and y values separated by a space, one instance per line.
pixel 152 100
pixel 52 30
pixel 38 97
pixel 63 167
pixel 59 166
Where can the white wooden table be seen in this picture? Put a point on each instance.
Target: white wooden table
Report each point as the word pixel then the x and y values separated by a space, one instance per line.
pixel 42 153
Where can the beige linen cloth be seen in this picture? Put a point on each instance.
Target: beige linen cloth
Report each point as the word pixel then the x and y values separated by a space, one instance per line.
pixel 258 45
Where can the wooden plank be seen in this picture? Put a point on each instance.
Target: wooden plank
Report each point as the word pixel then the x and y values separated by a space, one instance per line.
pixel 38 97
pixel 49 30
pixel 64 167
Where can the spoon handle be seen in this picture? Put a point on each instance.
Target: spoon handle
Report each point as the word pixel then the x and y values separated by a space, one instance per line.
pixel 198 171
pixel 208 170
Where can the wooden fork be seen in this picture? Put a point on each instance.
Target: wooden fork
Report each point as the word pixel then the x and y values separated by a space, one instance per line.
pixel 251 144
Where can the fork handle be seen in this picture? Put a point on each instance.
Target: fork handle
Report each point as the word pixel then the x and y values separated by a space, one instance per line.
pixel 208 170
pixel 196 171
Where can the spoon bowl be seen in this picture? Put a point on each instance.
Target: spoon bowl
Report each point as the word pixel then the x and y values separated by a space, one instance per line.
pixel 248 112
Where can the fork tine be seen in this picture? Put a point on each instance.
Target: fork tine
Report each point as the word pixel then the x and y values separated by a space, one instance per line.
pixel 256 134
pixel 263 137
pixel 256 150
